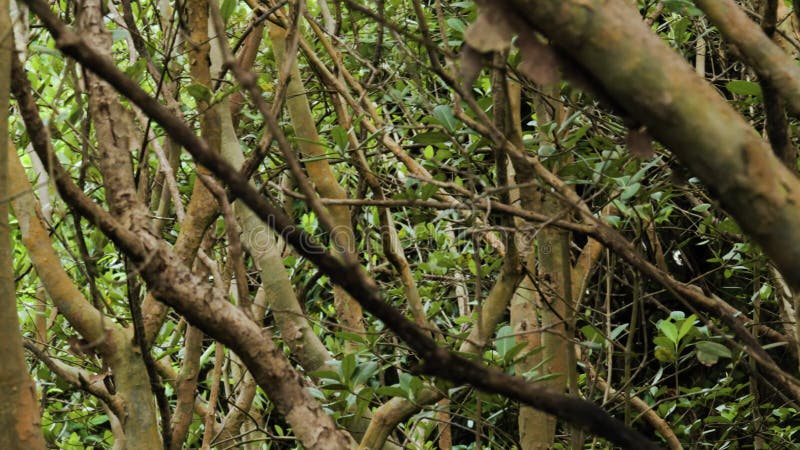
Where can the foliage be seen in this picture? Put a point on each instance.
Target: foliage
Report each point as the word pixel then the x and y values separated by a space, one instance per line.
pixel 635 334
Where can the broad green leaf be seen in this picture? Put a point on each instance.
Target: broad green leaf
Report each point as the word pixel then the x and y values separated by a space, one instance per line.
pixel 512 352
pixel 340 137
pixel 546 150
pixel 630 191
pixel 504 341
pixel 348 366
pixel 741 87
pixel 714 348
pixel 664 354
pixel 430 138
pixel 226 9
pixel 669 330
pixel 456 24
pixel 351 337
pixel 677 315
pixel 709 353
pixel 365 372
pixel 427 191
pixel 444 115
pixel 391 391
pixel 199 92
pixel 686 326
pixel 613 220
pixel 325 374
pixel 591 333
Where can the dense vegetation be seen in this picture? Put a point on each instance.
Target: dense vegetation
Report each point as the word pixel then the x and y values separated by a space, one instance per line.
pixel 594 226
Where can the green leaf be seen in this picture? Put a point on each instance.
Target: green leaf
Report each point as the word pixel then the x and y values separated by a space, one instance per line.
pixel 591 333
pixel 630 191
pixel 340 137
pixel 679 30
pixel 337 387
pixel 325 374
pixel 427 191
pixel 617 331
pixel 663 341
pixel 741 87
pixel 456 24
pixel 415 385
pixel 669 330
pixel 512 352
pixel 686 326
pixel 348 366
pixel 428 153
pixel 365 371
pixel 664 354
pixel 430 138
pixel 713 348
pixel 729 226
pixel 199 92
pixel 545 377
pixel 677 315
pixel 137 70
pixel 391 391
pixel 546 150
pixel 613 220
pixel 351 337
pixel 444 115
pixel 226 9
pixel 504 341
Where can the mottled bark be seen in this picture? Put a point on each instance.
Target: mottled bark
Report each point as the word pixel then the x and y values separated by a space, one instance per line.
pixel 19 418
pixel 186 386
pixel 217 317
pixel 653 83
pixel 114 342
pixel 171 282
pixel 202 208
pixel 114 131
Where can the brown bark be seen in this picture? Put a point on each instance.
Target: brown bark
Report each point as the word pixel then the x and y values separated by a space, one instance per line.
pixel 320 173
pixel 776 124
pixel 551 290
pixel 178 288
pixel 658 423
pixel 186 386
pixel 653 83
pixel 114 132
pixel 265 248
pixel 19 418
pixel 202 207
pixel 171 282
pixel 114 342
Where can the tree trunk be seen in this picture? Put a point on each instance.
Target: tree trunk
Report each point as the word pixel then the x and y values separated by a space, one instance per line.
pixel 19 418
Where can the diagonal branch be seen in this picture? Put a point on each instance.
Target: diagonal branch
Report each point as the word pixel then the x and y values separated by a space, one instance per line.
pixel 156 260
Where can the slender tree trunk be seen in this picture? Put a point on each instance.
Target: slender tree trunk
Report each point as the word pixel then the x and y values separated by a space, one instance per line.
pixel 19 417
pixel 320 173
